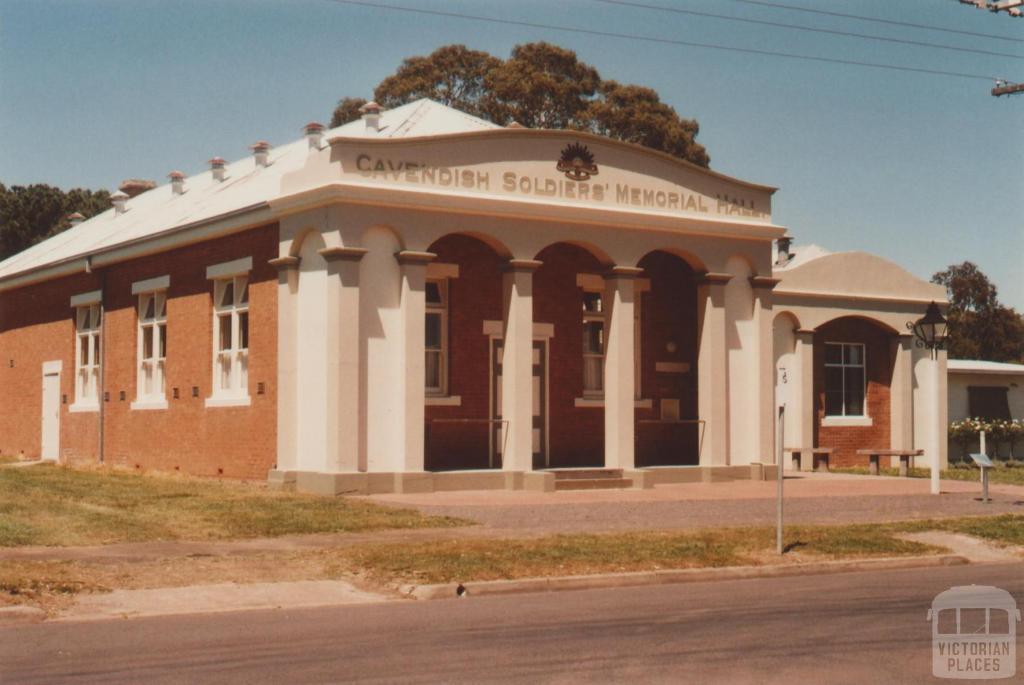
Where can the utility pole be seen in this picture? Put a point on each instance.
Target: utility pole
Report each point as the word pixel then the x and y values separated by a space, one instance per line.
pixel 1007 88
pixel 1014 8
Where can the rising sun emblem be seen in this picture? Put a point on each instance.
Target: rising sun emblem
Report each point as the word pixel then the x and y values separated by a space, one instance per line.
pixel 577 162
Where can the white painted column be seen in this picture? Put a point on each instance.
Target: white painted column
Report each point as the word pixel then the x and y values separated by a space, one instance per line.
pixel 619 368
pixel 343 357
pixel 765 419
pixel 804 396
pixel 413 312
pixel 713 370
pixel 517 364
pixel 901 394
pixel 287 330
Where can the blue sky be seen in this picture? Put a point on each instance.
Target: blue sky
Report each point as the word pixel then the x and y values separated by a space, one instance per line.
pixel 925 170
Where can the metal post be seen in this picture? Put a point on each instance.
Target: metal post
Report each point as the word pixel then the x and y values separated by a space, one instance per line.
pixel 936 410
pixel 779 469
pixel 981 443
pixel 984 485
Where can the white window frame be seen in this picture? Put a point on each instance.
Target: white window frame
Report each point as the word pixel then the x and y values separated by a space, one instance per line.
pixel 152 367
pixel 588 317
pixel 441 310
pixel 88 326
pixel 863 366
pixel 231 362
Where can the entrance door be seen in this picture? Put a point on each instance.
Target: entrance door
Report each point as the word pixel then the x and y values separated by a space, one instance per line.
pixel 51 415
pixel 540 410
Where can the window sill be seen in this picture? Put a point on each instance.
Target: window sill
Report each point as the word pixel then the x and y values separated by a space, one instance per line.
pixel 839 421
pixel 444 401
pixel 83 407
pixel 148 404
pixel 599 402
pixel 229 401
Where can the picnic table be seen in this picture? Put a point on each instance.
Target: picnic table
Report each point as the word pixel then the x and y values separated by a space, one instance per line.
pixel 906 458
pixel 819 455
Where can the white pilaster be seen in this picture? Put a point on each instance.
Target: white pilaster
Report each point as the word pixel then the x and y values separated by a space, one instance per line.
pixel 619 368
pixel 901 395
pixel 413 312
pixel 765 419
pixel 517 364
pixel 343 357
pixel 287 287
pixel 804 396
pixel 713 370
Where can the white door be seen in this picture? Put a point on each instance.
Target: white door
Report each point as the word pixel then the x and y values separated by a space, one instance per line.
pixel 51 415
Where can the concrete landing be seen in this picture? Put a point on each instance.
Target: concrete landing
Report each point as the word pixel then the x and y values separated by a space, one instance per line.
pixel 204 599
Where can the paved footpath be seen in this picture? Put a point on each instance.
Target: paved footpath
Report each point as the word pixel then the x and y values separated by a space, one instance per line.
pixel 814 498
pixel 810 499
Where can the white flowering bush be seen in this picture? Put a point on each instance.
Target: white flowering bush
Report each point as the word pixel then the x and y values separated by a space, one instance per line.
pixel 998 432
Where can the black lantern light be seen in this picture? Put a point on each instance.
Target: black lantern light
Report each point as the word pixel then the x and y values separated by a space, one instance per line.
pixel 930 330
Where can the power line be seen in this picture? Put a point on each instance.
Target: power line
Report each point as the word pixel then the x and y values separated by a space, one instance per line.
pixel 676 10
pixel 891 22
pixel 663 41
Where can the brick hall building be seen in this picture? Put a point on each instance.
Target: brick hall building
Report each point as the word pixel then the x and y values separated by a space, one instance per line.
pixel 423 300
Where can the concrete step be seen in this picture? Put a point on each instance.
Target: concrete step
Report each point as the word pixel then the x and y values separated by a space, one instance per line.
pixel 586 474
pixel 594 484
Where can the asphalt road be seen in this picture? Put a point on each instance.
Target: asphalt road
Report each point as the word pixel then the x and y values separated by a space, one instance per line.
pixel 843 628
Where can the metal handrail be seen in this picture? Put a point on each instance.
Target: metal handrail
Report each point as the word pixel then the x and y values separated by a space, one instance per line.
pixel 504 440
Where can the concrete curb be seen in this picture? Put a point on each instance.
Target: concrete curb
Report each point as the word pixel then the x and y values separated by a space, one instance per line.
pixel 692 575
pixel 21 614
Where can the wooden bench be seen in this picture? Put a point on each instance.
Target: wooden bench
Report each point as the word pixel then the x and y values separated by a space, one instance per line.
pixel 819 455
pixel 906 458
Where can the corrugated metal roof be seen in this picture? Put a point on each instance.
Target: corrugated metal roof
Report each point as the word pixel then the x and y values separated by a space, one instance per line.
pixel 246 184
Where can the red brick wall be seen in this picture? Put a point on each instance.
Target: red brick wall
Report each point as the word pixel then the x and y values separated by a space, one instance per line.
pixel 846 440
pixel 36 325
pixel 576 434
pixel 474 297
pixel 668 313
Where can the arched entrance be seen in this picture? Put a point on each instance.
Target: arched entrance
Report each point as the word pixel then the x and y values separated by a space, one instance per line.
pixel 667 431
pixel 463 303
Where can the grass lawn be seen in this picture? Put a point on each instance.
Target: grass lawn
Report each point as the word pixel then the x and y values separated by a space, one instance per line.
pixel 465 560
pixel 54 505
pixel 1005 475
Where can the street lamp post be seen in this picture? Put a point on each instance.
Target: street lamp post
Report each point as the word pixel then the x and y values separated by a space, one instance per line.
pixel 930 332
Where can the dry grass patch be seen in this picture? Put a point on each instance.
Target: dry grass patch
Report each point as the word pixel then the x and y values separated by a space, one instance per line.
pixel 55 505
pixel 561 555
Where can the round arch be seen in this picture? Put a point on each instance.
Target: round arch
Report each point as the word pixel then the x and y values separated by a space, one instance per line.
pixel 597 253
pixel 497 246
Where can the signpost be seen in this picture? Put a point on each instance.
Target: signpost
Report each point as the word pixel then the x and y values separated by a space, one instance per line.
pixel 984 463
pixel 781 396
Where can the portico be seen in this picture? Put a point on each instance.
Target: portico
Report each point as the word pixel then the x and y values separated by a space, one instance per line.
pixel 486 317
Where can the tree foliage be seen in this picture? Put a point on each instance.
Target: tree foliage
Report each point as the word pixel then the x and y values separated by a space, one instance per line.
pixel 980 327
pixel 346 111
pixel 29 214
pixel 452 75
pixel 540 85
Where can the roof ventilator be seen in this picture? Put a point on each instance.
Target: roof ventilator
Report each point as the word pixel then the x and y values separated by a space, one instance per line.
pixel 314 134
pixel 371 116
pixel 217 168
pixel 261 152
pixel 120 202
pixel 177 182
